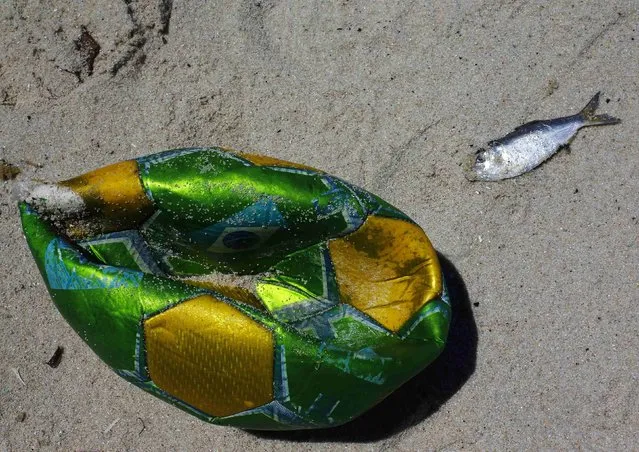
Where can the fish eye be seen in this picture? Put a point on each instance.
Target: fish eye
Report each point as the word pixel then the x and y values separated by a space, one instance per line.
pixel 480 156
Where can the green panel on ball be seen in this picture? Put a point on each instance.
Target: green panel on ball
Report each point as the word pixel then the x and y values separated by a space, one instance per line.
pixel 278 210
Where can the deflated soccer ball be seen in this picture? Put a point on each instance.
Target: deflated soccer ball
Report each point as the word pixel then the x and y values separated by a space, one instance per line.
pixel 246 290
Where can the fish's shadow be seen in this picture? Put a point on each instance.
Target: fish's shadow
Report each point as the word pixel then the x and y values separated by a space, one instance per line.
pixel 420 397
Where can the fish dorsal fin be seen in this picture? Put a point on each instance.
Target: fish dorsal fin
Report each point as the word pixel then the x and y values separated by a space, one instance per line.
pixel 529 125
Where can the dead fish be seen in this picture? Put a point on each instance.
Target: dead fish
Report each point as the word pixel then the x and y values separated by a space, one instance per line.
pixel 529 145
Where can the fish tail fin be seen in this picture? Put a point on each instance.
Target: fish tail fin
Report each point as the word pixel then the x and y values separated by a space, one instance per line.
pixel 591 119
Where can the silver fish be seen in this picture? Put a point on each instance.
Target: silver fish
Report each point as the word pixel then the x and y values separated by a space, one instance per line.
pixel 529 145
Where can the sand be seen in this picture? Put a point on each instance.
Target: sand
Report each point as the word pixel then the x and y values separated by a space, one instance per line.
pixel 390 96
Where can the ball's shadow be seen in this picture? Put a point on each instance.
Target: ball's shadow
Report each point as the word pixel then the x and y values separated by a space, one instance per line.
pixel 423 395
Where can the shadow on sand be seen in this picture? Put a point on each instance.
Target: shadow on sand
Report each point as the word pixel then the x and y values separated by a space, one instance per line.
pixel 420 397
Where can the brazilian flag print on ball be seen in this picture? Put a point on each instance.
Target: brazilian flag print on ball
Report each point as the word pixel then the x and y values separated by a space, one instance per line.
pixel 246 290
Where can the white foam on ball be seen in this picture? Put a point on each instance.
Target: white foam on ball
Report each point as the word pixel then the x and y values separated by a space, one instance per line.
pixel 55 198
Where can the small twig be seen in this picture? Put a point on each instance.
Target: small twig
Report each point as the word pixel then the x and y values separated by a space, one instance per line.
pixel 17 374
pixel 143 426
pixel 111 425
pixel 56 358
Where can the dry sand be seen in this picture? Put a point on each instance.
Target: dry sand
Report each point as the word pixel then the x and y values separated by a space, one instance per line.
pixel 392 95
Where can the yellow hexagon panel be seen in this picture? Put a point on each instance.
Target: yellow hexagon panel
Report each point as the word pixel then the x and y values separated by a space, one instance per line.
pixel 116 194
pixel 387 269
pixel 210 355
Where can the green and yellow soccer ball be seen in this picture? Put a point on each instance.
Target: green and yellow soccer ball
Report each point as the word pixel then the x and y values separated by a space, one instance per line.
pixel 246 290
